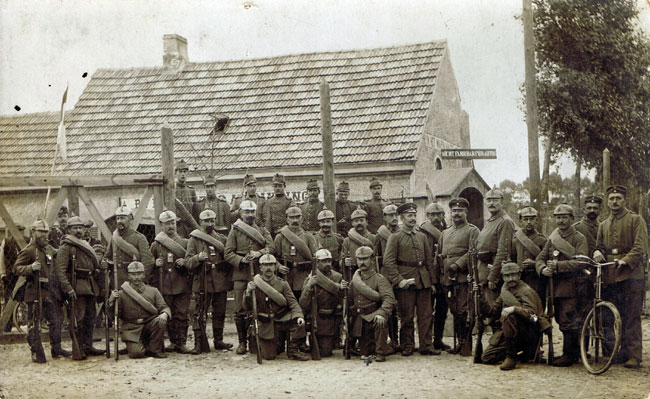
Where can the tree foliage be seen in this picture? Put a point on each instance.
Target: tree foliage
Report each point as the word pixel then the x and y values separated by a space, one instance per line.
pixel 593 83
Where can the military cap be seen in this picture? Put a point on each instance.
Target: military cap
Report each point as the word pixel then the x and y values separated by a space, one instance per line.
pixel 458 203
pixel 322 254
pixel 88 223
pixel 527 211
pixel 209 181
pixel 390 209
pixel 75 221
pixel 248 205
pixel 343 186
pixel 62 211
pixel 358 213
pixel 267 259
pixel 181 165
pixel 123 211
pixel 166 216
pixel 325 214
pixel 374 182
pixel 249 179
pixel 435 207
pixel 278 179
pixel 312 183
pixel 593 198
pixel 135 267
pixel 293 211
pixel 494 193
pixel 563 209
pixel 363 252
pixel 510 268
pixel 616 189
pixel 40 225
pixel 407 207
pixel 207 214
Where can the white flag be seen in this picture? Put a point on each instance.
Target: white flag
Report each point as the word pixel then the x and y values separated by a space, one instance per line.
pixel 60 137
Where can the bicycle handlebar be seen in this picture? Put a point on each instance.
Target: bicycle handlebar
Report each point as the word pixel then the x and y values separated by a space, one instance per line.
pixel 593 263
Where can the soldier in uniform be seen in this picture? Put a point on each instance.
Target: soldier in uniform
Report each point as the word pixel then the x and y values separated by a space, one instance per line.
pixel 454 265
pixel 246 242
pixel 494 245
pixel 212 274
pixel 527 243
pixel 327 239
pixel 144 314
pixel 187 196
pixel 623 236
pixel 555 261
pixel 7 272
pixel 171 276
pixel 312 207
pixel 390 226
pixel 127 245
pixel 88 224
pixel 374 207
pixel 344 209
pixel 218 205
pixel 373 301
pixel 328 286
pixel 521 313
pixel 278 312
pixel 588 225
pixel 76 253
pixel 36 257
pixel 432 229
pixel 57 232
pixel 250 194
pixel 275 207
pixel 358 236
pixel 408 265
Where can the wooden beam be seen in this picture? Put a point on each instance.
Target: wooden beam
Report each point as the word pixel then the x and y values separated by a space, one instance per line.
pixel 94 213
pixel 328 151
pixel 11 226
pixel 73 201
pixel 157 206
pixel 54 208
pixel 167 159
pixel 88 181
pixel 531 103
pixel 146 197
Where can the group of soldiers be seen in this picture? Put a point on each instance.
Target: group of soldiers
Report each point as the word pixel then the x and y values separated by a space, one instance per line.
pixel 363 288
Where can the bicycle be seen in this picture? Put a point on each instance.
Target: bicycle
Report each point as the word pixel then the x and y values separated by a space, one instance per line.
pixel 600 337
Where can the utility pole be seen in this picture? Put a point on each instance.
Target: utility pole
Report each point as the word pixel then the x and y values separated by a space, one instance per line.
pixel 328 152
pixel 531 104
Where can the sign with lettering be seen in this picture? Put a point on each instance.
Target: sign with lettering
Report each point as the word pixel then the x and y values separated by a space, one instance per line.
pixel 468 153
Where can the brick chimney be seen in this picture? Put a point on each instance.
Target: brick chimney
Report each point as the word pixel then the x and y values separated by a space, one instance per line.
pixel 174 51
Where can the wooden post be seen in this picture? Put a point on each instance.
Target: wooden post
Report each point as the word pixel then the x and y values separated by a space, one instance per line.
pixel 605 169
pixel 73 201
pixel 328 151
pixel 167 158
pixel 10 226
pixel 94 213
pixel 531 104
pixel 157 205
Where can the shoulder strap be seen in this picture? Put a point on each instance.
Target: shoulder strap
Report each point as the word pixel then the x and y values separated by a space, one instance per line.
pixel 135 295
pixel 211 240
pixel 359 239
pixel 297 242
pixel 271 292
pixel 561 244
pixel 326 283
pixel 364 289
pixel 169 243
pixel 527 243
pixel 125 246
pixel 250 231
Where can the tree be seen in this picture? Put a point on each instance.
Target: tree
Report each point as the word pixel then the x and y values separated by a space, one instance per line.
pixel 593 84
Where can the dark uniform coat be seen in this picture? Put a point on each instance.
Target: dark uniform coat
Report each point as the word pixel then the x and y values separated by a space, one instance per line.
pixel 134 316
pixel 364 308
pixel 219 272
pixel 520 253
pixel 494 245
pixel 333 242
pixel 566 277
pixel 87 269
pixel 350 247
pixel 310 211
pixel 238 245
pixel 187 196
pixel 453 247
pixel 270 312
pixel 274 215
pixel 301 265
pixel 328 304
pixel 375 210
pixel 408 256
pixel 123 259
pixel 220 208
pixel 588 229
pixel 344 209
pixel 175 280
pixel 23 267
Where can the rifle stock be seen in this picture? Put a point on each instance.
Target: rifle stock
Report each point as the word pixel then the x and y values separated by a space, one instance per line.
pixel 203 309
pixel 346 310
pixel 256 329
pixel 550 311
pixel 76 349
pixel 107 333
pixel 37 312
pixel 315 349
pixel 478 319
pixel 116 320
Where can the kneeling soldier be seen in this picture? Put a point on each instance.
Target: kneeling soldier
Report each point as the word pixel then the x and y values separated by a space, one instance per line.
pixel 277 311
pixel 144 314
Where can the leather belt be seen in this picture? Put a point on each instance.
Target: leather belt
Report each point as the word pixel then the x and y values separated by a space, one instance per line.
pixel 454 255
pixel 410 264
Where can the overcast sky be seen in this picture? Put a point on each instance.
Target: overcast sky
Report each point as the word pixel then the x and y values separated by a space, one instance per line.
pixel 46 44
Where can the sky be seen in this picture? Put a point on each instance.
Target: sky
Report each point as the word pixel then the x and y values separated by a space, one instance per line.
pixel 46 45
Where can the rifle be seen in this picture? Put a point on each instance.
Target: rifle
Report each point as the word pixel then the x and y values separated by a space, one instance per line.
pixel 203 308
pixel 550 310
pixel 76 350
pixel 466 341
pixel 256 327
pixel 346 312
pixel 478 318
pixel 37 344
pixel 315 349
pixel 116 320
pixel 107 334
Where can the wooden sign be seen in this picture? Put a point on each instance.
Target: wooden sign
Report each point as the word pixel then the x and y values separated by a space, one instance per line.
pixel 467 153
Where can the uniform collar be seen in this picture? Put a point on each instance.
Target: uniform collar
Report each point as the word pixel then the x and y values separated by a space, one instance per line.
pixel 568 232
pixel 404 230
pixel 620 215
pixel 496 215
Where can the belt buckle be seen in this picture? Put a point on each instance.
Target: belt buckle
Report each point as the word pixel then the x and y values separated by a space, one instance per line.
pixel 615 251
pixel 420 264
pixel 139 321
pixel 213 266
pixel 169 270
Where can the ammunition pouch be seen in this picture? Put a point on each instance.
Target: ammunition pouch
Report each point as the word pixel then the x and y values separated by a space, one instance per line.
pixel 486 257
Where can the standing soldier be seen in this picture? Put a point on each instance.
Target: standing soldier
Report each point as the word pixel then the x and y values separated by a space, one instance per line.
pixel 358 236
pixel 374 207
pixel 328 285
pixel 170 276
pixel 390 226
pixel 588 226
pixel 205 256
pixel 373 301
pixel 250 194
pixel 219 206
pixel 408 264
pixel 275 207
pixel 187 196
pixel 247 241
pixel 556 262
pixel 454 265
pixel 75 254
pixel 527 243
pixel 312 207
pixel 88 224
pixel 327 239
pixel 126 245
pixel 278 312
pixel 344 209
pixel 57 232
pixel 623 237
pixel 494 245
pixel 36 257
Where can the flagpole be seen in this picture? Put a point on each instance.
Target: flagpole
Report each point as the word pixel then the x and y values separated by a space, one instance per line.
pixel 60 142
pixel 49 188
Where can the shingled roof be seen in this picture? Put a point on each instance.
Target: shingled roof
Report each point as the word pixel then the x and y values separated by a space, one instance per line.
pixel 379 99
pixel 27 143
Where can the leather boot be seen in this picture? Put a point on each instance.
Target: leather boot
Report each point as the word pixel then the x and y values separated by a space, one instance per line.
pixel 241 335
pixel 438 344
pixel 511 356
pixel 293 352
pixel 218 339
pixel 508 364
pixel 197 343
pixel 568 350
pixel 56 351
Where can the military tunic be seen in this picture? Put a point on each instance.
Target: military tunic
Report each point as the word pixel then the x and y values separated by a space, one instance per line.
pixel 274 213
pixel 259 214
pixel 494 245
pixel 333 242
pixel 221 209
pixel 529 274
pixel 123 259
pixel 55 236
pixel 375 210
pixel 187 196
pixel 588 229
pixel 329 312
pixel 350 247
pixel 310 211
pixel 344 209
pixel 300 267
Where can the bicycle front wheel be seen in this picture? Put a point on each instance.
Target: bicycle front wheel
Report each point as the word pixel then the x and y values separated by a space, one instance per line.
pixel 600 338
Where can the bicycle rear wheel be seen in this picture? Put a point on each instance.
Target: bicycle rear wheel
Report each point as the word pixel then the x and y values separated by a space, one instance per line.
pixel 600 338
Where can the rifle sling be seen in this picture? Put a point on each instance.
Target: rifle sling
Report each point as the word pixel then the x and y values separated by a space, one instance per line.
pixel 297 242
pixel 561 244
pixel 359 239
pixel 172 245
pixel 250 231
pixel 363 288
pixel 527 243
pixel 271 292
pixel 135 295
pixel 209 239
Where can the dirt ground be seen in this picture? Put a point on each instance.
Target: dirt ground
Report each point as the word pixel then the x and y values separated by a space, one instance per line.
pixel 224 375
